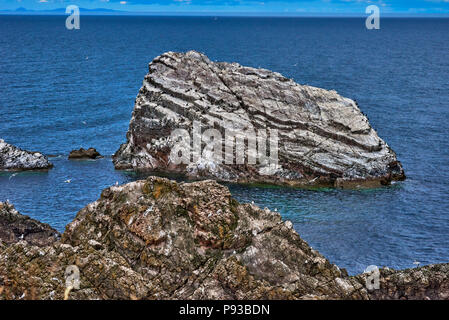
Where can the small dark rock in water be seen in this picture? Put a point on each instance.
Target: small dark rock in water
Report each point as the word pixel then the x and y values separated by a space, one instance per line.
pixel 13 158
pixel 158 239
pixel 15 227
pixel 90 153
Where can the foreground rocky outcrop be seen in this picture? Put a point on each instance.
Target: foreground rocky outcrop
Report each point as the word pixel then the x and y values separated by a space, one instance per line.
pixel 16 159
pixel 83 154
pixel 311 136
pixel 15 227
pixel 158 239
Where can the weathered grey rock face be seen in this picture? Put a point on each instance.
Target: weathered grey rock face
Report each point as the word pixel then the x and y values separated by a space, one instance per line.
pixel 157 239
pixel 15 227
pixel 323 138
pixel 15 159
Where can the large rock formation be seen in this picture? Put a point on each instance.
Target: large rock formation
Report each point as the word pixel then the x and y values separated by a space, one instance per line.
pixel 15 159
pixel 157 239
pixel 322 138
pixel 15 227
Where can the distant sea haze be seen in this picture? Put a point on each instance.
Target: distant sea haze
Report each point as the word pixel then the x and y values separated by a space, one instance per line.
pixel 66 89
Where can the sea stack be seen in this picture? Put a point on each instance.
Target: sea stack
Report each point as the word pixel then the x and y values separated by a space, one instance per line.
pixel 309 136
pixel 13 158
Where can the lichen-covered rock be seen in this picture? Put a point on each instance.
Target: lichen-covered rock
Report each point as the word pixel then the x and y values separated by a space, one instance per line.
pixel 425 283
pixel 16 159
pixel 82 154
pixel 15 227
pixel 158 239
pixel 195 241
pixel 322 137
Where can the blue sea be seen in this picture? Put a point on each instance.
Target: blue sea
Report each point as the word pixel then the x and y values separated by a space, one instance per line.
pixel 64 89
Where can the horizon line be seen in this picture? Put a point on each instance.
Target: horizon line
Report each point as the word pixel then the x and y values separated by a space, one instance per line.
pixel 103 12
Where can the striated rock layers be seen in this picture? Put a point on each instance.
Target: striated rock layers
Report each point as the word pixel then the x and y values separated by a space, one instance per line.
pixel 157 239
pixel 308 136
pixel 15 159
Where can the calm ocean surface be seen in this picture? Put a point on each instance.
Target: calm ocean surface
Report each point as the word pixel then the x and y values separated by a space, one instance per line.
pixel 62 89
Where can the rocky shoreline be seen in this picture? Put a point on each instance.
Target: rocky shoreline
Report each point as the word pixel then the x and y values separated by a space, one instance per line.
pixel 159 239
pixel 311 137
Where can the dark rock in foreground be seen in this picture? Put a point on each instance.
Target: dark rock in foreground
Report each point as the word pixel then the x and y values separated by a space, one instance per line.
pixel 323 138
pixel 15 227
pixel 157 239
pixel 16 159
pixel 81 154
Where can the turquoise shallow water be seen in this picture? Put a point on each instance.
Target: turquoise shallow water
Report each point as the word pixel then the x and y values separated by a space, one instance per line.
pixel 63 89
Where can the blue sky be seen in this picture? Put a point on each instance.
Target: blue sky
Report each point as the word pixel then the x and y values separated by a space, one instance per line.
pixel 290 7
